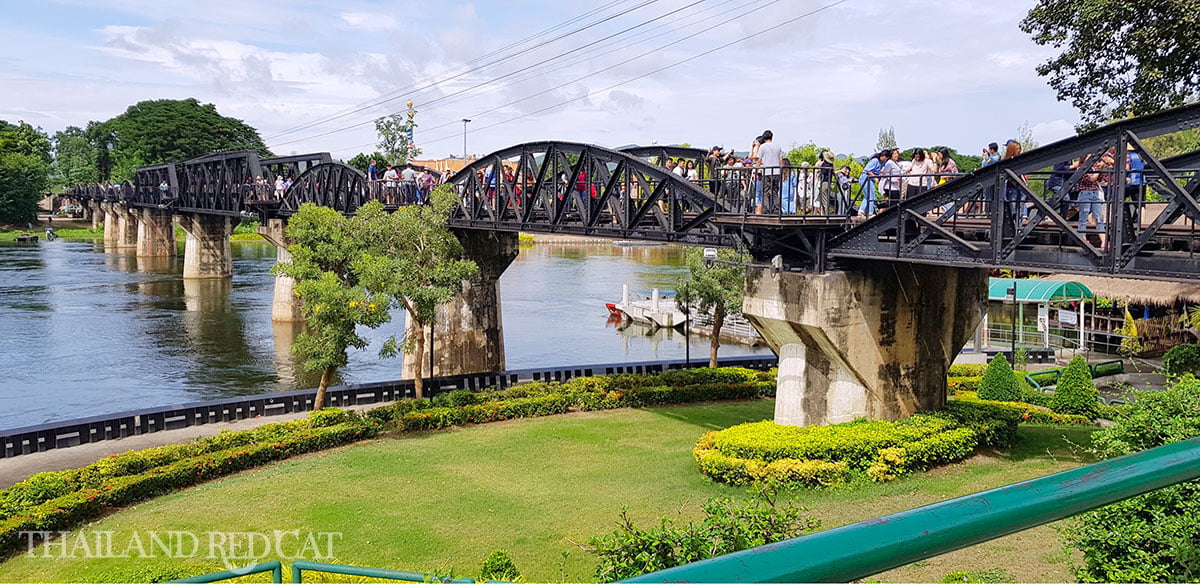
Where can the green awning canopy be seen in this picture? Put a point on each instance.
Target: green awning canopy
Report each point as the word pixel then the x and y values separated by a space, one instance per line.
pixel 1037 290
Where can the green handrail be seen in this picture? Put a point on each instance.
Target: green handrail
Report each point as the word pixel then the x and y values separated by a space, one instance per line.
pixel 1098 369
pixel 274 567
pixel 859 550
pixel 301 566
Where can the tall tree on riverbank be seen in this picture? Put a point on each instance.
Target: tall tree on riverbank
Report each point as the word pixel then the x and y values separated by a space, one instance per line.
pixel 24 169
pixel 325 246
pixel 413 258
pixel 74 158
pixel 1119 58
pixel 716 289
pixel 167 130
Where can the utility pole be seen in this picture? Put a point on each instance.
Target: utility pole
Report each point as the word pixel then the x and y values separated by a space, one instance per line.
pixel 465 122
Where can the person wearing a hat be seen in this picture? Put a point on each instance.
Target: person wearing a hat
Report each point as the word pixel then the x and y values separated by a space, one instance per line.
pixel 825 180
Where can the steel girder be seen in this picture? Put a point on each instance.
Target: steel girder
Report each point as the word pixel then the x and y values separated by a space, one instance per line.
pixel 568 187
pixel 291 166
pixel 981 219
pixel 330 184
pixel 217 184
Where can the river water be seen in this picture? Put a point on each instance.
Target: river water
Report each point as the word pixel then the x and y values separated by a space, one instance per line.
pixel 84 332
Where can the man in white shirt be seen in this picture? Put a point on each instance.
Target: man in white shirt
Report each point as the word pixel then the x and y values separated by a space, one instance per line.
pixel 389 185
pixel 770 158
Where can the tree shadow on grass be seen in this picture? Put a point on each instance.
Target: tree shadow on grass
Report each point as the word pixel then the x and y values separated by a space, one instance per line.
pixel 717 415
pixel 1048 442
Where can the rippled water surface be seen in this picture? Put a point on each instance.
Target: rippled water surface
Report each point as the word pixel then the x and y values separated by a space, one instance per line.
pixel 85 332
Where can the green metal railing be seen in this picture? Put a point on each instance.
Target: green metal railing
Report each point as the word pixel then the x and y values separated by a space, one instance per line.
pixel 1048 377
pixel 274 567
pixel 299 567
pixel 862 549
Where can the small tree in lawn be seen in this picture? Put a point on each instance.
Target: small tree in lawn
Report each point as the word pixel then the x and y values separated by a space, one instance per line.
pixel 416 261
pixel 717 289
pixel 324 246
pixel 999 382
pixel 1076 392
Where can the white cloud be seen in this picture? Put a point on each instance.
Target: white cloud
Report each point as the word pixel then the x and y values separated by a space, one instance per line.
pixel 370 22
pixel 1052 131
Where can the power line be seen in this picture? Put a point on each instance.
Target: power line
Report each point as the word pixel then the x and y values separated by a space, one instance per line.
pixel 506 75
pixel 398 94
pixel 659 70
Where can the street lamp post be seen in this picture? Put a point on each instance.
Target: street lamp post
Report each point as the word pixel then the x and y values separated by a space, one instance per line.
pixel 465 122
pixel 1012 296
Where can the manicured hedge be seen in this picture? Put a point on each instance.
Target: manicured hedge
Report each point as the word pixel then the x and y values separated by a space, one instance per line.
pixel 1028 413
pixel 74 508
pixel 834 454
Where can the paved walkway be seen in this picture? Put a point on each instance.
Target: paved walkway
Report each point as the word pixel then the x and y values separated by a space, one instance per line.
pixel 15 469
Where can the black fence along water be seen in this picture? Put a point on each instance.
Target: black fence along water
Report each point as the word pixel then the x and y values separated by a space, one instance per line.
pixel 64 434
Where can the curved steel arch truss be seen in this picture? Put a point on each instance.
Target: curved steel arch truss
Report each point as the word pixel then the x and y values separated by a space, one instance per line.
pixel 330 184
pixel 998 217
pixel 567 187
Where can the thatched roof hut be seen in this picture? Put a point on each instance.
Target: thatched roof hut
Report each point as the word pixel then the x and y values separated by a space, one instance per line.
pixel 1145 292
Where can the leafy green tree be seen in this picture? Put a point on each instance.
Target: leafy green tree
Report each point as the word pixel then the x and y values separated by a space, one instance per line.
pixel 886 140
pixel 325 246
pixel 393 132
pixel 499 566
pixel 1152 537
pixel 1025 137
pixel 415 260
pixel 999 382
pixel 1119 57
pixel 74 158
pixel 1173 144
pixel 168 130
pixel 1076 392
pixel 362 160
pixel 24 170
pixel 717 289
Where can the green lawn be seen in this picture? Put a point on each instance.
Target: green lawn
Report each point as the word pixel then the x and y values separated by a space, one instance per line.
pixel 447 499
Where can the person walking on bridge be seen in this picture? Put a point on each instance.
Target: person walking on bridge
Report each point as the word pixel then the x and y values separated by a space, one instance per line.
pixel 867 184
pixel 770 159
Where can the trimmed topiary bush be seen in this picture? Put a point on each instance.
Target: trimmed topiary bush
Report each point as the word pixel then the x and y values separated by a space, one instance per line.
pixel 1076 392
pixel 999 382
pixel 499 566
pixel 1182 360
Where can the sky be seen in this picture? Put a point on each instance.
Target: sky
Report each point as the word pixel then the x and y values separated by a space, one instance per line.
pixel 607 72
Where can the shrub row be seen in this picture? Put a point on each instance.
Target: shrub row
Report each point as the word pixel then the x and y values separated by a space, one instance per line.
pixel 600 392
pixel 1028 413
pixel 72 509
pixel 44 486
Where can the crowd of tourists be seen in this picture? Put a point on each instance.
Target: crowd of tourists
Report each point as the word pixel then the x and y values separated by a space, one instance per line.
pixel 406 184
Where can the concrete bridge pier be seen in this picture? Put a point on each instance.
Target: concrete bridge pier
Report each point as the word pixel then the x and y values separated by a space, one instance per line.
pixel 286 306
pixel 468 334
pixel 873 341
pixel 110 224
pixel 206 251
pixel 126 233
pixel 155 233
pixel 96 214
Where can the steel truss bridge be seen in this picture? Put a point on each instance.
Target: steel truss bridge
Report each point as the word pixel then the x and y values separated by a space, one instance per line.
pixel 1001 216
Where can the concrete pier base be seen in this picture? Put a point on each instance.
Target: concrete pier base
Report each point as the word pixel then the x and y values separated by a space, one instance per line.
pixel 468 333
pixel 126 235
pixel 110 225
pixel 155 233
pixel 285 306
pixel 874 341
pixel 206 252
pixel 97 214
